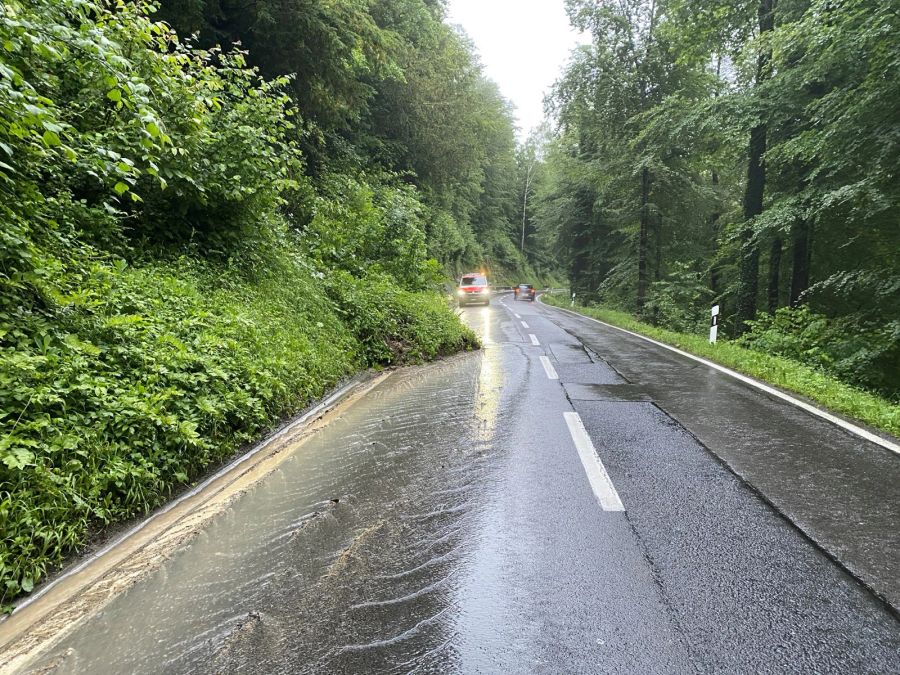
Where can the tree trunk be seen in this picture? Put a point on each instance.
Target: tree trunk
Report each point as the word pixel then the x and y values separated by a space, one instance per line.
pixel 774 274
pixel 800 260
pixel 582 261
pixel 643 242
pixel 748 281
pixel 581 264
pixel 657 272
pixel 525 204
pixel 657 268
pixel 715 273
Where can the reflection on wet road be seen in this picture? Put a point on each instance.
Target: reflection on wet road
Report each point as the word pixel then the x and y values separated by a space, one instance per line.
pixel 445 523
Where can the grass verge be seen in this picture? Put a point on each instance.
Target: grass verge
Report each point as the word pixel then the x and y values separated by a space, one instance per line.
pixel 785 374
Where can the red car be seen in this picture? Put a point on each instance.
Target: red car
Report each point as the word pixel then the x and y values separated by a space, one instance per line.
pixel 524 292
pixel 473 289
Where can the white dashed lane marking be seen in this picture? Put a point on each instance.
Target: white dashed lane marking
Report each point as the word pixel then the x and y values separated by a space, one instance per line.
pixel 600 481
pixel 548 368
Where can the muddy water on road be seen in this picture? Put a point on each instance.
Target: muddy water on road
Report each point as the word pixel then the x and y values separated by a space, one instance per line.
pixel 347 558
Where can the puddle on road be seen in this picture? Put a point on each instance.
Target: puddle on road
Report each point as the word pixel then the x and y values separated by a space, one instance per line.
pixel 344 559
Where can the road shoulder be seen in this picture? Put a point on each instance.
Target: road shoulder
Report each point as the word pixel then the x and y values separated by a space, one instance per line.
pixel 90 584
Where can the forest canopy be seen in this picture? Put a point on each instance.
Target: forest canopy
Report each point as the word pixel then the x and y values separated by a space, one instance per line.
pixel 387 88
pixel 741 153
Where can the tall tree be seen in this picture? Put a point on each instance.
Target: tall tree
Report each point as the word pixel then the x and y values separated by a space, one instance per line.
pixel 768 139
pixel 754 192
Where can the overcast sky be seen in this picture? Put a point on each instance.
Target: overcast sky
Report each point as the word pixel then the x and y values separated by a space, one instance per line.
pixel 523 45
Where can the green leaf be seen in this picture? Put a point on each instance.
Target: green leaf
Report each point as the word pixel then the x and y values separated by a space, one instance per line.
pixel 82 345
pixel 51 139
pixel 114 95
pixel 120 188
pixel 19 458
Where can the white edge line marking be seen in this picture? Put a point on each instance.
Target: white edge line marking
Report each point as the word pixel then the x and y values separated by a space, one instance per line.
pixel 324 405
pixel 516 315
pixel 524 325
pixel 844 424
pixel 534 339
pixel 548 368
pixel 600 481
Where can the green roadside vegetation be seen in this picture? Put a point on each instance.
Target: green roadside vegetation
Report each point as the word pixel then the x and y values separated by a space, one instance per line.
pixel 781 372
pixel 195 247
pixel 736 155
pixel 158 370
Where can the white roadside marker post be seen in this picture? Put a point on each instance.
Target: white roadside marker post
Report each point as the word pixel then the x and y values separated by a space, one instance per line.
pixel 714 324
pixel 573 299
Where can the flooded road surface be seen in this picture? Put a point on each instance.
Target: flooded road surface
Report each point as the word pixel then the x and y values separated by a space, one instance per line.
pixel 527 508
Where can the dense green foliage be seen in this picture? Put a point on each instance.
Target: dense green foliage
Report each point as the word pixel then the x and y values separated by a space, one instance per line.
pixel 780 368
pixel 386 87
pixel 741 153
pixel 176 275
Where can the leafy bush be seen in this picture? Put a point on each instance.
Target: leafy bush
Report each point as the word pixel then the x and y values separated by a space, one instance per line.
pixel 681 301
pixel 855 351
pixel 396 325
pixel 798 334
pixel 369 225
pixel 156 311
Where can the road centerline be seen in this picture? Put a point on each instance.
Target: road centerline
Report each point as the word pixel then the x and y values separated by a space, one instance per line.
pixel 534 339
pixel 524 325
pixel 548 368
pixel 599 479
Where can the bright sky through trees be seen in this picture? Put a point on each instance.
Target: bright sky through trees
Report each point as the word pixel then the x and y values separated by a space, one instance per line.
pixel 523 45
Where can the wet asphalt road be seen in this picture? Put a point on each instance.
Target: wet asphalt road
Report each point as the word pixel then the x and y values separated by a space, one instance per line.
pixel 446 523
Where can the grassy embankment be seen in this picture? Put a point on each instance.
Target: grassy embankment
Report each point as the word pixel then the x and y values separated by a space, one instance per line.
pixel 777 371
pixel 172 283
pixel 153 373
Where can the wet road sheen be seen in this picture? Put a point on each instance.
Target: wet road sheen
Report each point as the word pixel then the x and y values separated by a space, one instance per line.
pixel 446 523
